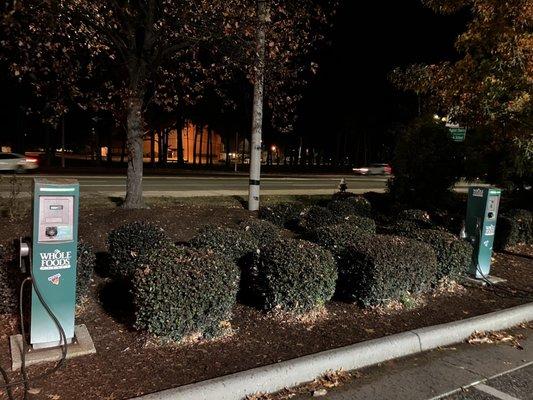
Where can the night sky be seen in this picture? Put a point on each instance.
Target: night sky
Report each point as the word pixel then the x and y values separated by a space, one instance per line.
pixel 351 93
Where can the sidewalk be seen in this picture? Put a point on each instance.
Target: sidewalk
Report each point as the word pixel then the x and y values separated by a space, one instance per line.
pixel 461 372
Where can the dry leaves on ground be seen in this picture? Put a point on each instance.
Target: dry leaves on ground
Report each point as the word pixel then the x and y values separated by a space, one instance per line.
pixel 330 379
pixel 491 337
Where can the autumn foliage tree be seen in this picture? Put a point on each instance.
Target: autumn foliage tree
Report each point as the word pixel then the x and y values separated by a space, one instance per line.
pixel 491 84
pixel 113 54
pixel 124 56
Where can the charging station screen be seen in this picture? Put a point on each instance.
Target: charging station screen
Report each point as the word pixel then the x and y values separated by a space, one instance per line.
pixel 56 219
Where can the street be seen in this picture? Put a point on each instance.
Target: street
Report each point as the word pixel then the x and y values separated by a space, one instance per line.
pixel 221 185
pixel 186 186
pixel 461 372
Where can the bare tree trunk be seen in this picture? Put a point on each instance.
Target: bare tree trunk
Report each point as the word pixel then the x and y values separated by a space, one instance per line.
pixel 123 150
pixel 179 132
pixel 134 175
pixel 226 141
pixel 210 145
pixel 164 134
pixel 152 148
pixel 257 111
pixel 194 144
pixel 201 141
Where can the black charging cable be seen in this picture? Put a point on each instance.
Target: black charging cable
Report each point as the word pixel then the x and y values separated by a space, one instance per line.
pixel 505 291
pixel 25 381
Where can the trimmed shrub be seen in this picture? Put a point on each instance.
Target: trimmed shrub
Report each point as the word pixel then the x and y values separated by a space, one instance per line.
pixel 314 217
pixel 380 268
pixel 293 275
pixel 233 243
pixel 84 269
pixel 8 282
pixel 182 291
pixel 354 205
pixel 129 242
pixel 514 227
pixel 409 221
pixel 281 214
pixel 342 195
pixel 454 255
pixel 336 237
pixel 262 232
pixel 363 223
pixel 420 217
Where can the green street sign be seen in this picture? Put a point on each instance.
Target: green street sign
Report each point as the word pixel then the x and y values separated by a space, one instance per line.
pixel 458 134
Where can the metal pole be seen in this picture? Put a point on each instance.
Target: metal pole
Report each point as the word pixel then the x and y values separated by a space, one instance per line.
pixel 257 113
pixel 63 141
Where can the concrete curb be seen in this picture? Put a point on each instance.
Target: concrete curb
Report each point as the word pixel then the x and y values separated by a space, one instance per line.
pixel 290 373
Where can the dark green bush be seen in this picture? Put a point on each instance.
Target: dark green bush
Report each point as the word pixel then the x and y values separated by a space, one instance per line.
pixel 8 285
pixel 454 255
pixel 261 231
pixel 354 205
pixel 314 217
pixel 342 195
pixel 426 165
pixel 420 217
pixel 181 291
pixel 336 237
pixel 514 227
pixel 408 221
pixel 293 275
pixel 380 268
pixel 232 243
pixel 129 242
pixel 84 269
pixel 282 214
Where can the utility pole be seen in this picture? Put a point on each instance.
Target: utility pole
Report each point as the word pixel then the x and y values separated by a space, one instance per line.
pixel 257 111
pixel 63 141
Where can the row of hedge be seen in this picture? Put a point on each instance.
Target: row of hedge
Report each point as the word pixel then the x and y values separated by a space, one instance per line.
pixel 272 271
pixel 307 219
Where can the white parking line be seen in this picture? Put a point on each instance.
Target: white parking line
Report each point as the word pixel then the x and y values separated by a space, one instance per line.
pixel 494 392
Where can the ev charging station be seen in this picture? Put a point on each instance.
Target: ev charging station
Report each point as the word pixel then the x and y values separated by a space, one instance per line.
pixel 480 226
pixel 52 257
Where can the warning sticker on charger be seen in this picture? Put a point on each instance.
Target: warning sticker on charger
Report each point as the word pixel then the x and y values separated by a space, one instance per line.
pixel 54 279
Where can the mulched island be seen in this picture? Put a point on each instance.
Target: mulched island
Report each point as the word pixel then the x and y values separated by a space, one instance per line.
pixel 129 363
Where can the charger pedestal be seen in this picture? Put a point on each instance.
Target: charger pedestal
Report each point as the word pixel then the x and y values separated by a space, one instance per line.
pixel 81 345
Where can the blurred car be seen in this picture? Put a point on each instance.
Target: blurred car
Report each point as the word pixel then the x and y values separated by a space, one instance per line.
pixel 17 162
pixel 374 169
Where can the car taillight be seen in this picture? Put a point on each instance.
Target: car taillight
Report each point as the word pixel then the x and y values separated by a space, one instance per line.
pixel 31 160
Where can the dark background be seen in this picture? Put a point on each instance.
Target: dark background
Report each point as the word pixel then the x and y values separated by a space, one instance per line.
pixel 350 112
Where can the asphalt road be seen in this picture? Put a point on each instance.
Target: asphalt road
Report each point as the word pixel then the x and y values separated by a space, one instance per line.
pixel 460 372
pixel 207 185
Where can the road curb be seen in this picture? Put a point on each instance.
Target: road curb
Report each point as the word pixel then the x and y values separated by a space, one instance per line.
pixel 293 372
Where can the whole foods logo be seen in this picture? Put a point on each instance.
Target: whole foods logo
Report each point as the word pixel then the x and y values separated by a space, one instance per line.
pixel 55 260
pixel 477 192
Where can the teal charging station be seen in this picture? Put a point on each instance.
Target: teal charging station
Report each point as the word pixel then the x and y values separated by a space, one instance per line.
pixel 54 256
pixel 480 226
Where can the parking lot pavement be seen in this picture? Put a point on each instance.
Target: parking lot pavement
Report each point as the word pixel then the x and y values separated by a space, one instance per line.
pixel 462 372
pixel 510 386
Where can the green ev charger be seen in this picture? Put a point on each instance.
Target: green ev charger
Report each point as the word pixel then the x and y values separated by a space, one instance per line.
pixel 480 226
pixel 54 256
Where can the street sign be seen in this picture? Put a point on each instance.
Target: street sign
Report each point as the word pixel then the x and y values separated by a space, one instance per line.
pixel 457 134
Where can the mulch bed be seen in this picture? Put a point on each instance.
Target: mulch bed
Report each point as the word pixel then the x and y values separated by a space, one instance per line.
pixel 129 363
